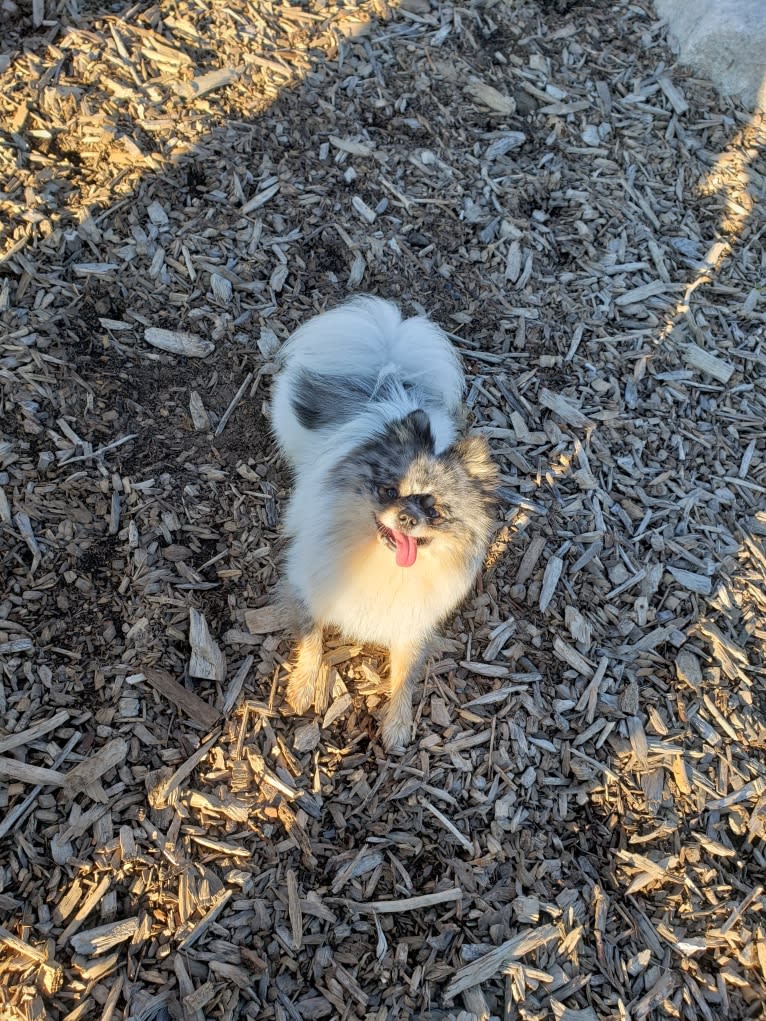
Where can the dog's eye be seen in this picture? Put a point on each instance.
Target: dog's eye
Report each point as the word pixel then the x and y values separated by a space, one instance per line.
pixel 432 513
pixel 387 493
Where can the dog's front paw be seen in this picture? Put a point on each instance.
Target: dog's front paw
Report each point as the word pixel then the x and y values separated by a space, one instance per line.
pixel 302 686
pixel 300 692
pixel 396 732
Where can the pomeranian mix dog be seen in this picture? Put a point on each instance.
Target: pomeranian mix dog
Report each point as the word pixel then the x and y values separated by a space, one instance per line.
pixel 391 514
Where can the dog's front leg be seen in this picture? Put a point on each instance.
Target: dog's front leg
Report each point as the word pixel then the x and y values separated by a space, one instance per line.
pixel 406 660
pixel 301 688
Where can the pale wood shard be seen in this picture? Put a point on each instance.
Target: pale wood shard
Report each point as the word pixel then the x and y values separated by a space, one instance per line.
pixel 219 902
pixel 187 991
pixel 708 363
pixel 88 772
pixel 362 863
pixel 28 773
pixel 30 734
pixel 476 1003
pixel 294 909
pixel 448 825
pixel 337 709
pixel 674 94
pixel 688 668
pixel 562 1012
pixel 691 580
pixel 24 525
pixel 206 83
pixel 160 794
pixel 232 808
pixel 198 413
pixel 579 627
pixel 637 295
pixel 350 145
pixel 263 773
pixel 553 570
pixel 50 974
pixel 265 620
pixel 234 687
pixel 296 830
pixel 260 199
pixel 207 661
pixel 85 269
pixel 418 903
pixel 104 937
pixel 498 958
pixel 564 409
pixel 507 141
pixel 660 991
pixel 361 207
pixel 19 812
pixel 638 743
pixel 23 948
pixel 489 96
pixel 530 558
pixel 306 738
pixel 190 704
pixel 178 342
pixel 570 655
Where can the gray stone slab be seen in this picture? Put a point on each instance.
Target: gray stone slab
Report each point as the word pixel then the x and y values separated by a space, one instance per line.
pixel 725 40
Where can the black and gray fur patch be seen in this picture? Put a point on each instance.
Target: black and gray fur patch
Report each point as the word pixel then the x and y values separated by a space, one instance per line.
pixel 320 400
pixel 385 459
pixel 413 432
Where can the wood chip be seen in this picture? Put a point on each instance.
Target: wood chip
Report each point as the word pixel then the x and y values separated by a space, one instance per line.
pixel 564 409
pixel 490 96
pixel 708 363
pixel 191 705
pixel 206 661
pixel 104 937
pixel 265 620
pixel 498 958
pixel 178 342
pixel 426 900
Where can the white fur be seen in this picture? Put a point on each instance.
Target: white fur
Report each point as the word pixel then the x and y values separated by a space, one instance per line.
pixel 367 338
pixel 377 602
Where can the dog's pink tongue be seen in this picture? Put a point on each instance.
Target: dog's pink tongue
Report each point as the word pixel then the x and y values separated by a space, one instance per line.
pixel 406 549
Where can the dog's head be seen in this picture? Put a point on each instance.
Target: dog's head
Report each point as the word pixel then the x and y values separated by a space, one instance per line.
pixel 420 502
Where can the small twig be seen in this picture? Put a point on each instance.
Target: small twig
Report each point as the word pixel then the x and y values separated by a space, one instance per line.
pixel 17 815
pixel 100 451
pixel 32 733
pixel 22 771
pixel 235 688
pixel 235 401
pixel 425 900
pixel 461 838
pixel 219 903
pixel 25 949
pixel 24 526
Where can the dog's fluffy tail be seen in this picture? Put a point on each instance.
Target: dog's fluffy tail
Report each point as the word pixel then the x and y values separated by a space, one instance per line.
pixel 362 361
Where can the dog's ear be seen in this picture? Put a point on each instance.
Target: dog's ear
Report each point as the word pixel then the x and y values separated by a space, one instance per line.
pixel 414 431
pixel 417 422
pixel 473 454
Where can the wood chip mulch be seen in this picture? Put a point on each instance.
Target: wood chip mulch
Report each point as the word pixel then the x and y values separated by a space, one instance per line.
pixel 577 829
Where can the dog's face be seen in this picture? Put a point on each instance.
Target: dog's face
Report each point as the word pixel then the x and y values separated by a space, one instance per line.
pixel 418 503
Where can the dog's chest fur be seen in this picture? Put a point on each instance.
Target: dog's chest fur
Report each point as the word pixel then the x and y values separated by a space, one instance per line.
pixel 373 600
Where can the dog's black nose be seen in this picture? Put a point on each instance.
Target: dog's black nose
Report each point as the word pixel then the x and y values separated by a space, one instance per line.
pixel 407 519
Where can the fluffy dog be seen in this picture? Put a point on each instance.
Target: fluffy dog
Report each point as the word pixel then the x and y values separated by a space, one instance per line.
pixel 391 513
